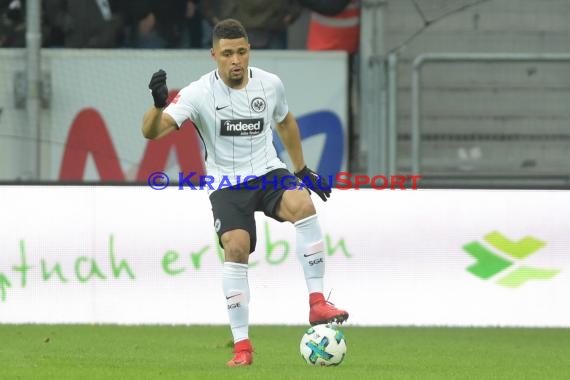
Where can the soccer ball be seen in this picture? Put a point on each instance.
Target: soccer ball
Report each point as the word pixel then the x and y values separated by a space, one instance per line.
pixel 323 345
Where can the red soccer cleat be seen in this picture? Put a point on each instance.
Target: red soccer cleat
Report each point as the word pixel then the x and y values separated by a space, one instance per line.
pixel 243 354
pixel 323 311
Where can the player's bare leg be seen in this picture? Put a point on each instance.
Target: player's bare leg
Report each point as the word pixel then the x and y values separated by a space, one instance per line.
pixel 297 207
pixel 236 290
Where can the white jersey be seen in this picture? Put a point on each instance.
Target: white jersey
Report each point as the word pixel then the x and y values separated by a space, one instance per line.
pixel 234 125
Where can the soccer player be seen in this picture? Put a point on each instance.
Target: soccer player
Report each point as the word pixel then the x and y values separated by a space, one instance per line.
pixel 234 109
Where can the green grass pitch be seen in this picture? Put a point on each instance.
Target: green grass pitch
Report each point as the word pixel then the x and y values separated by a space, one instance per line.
pixel 83 352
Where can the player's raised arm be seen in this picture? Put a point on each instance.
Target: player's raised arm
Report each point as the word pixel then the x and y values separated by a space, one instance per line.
pixel 157 124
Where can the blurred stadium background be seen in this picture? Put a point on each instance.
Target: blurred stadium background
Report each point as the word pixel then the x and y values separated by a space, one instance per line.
pixel 471 94
pixel 486 107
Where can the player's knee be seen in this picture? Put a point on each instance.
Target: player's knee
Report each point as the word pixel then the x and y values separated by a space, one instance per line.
pixel 236 245
pixel 236 253
pixel 236 248
pixel 305 209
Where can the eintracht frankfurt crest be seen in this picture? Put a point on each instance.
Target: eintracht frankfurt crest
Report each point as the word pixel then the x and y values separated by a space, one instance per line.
pixel 258 105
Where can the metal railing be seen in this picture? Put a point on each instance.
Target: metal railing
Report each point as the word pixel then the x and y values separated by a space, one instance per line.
pixel 416 96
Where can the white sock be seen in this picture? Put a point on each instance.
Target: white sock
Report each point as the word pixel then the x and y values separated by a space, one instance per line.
pixel 236 291
pixel 310 252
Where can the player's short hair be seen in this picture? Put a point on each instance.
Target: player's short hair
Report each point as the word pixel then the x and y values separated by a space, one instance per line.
pixel 229 29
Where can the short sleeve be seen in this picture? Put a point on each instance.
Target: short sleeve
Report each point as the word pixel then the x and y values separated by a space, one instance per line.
pixel 184 106
pixel 281 106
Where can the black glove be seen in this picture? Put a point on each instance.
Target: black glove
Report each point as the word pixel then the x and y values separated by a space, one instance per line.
pixel 158 88
pixel 315 182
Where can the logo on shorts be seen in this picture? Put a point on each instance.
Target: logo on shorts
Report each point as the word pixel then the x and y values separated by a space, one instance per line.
pixel 258 104
pixel 243 127
pixel 217 225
